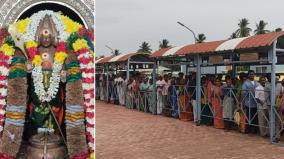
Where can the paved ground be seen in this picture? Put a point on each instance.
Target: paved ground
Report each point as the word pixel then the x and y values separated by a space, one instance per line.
pixel 127 134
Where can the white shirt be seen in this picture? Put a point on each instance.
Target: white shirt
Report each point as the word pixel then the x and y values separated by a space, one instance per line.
pixel 160 83
pixel 259 93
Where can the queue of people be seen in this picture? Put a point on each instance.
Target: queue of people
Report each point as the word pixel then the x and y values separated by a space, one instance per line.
pixel 241 103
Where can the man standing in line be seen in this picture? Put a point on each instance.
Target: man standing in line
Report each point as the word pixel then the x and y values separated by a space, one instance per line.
pixel 262 108
pixel 250 103
pixel 192 91
pixel 278 94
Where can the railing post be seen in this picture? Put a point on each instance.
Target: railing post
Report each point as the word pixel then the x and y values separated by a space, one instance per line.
pixel 107 82
pixel 272 53
pixel 198 86
pixel 128 67
pixel 154 100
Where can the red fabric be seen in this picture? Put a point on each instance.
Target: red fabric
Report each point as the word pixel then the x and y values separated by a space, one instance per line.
pixel 5 156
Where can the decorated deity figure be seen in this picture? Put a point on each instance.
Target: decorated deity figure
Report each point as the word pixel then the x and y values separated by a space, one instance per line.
pixel 49 85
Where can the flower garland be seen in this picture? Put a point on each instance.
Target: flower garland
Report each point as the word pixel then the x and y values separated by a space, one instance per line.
pixel 59 58
pixel 29 27
pixel 80 46
pixel 6 52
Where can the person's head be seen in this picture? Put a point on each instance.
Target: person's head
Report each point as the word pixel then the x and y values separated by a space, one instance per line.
pixel 180 75
pixel 160 78
pixel 151 81
pixel 243 76
pixel 166 77
pixel 228 80
pixel 262 80
pixel 212 78
pixel 145 80
pixel 268 77
pixel 251 75
pixel 278 77
pixel 217 82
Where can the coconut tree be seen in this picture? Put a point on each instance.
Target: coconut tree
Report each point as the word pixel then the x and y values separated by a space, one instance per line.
pixel 145 47
pixel 233 35
pixel 116 52
pixel 278 29
pixel 243 30
pixel 260 28
pixel 200 38
pixel 164 44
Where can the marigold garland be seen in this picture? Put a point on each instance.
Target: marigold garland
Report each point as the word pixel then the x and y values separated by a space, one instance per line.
pixel 22 25
pixel 80 46
pixel 70 25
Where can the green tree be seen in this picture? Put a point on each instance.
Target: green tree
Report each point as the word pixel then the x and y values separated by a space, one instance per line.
pixel 278 29
pixel 200 38
pixel 116 52
pixel 233 36
pixel 164 44
pixel 243 30
pixel 260 28
pixel 145 47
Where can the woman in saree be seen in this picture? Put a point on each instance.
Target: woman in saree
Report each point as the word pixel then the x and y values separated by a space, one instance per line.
pixel 216 94
pixel 228 103
pixel 206 114
pixel 173 98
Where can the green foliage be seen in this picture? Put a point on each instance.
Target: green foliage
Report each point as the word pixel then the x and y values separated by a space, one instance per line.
pixel 71 39
pixel 200 38
pixel 9 41
pixel 145 47
pixel 243 30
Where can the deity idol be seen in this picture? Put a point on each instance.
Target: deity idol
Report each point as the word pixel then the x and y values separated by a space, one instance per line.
pixel 46 93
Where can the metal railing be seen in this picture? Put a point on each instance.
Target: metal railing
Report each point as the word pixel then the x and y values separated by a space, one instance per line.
pixel 229 107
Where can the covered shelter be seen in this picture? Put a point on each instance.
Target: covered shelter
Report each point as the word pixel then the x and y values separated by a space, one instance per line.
pixel 265 49
pixel 127 63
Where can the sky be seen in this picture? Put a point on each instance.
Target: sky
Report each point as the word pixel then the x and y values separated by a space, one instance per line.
pixel 125 24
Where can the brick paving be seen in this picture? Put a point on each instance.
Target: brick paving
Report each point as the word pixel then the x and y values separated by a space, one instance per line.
pixel 128 134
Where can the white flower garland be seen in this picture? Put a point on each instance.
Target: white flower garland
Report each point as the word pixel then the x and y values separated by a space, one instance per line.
pixel 4 71
pixel 35 20
pixel 46 96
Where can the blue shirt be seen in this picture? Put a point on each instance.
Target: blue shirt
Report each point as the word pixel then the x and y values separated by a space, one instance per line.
pixel 248 91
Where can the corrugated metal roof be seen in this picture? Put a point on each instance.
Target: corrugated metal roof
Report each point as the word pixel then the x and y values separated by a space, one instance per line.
pixel 103 60
pixel 126 57
pixel 222 45
pixel 199 48
pixel 230 44
pixel 160 52
pixel 172 51
pixel 259 40
pixel 116 58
